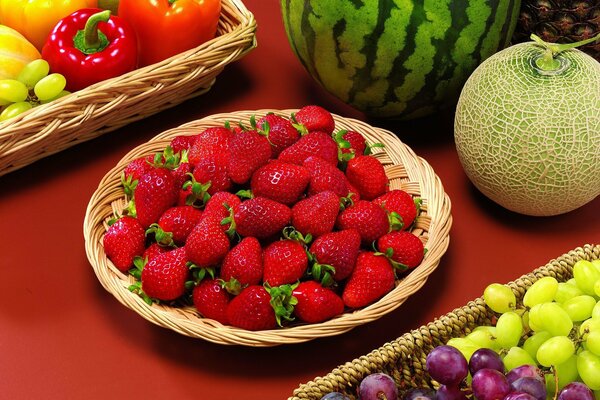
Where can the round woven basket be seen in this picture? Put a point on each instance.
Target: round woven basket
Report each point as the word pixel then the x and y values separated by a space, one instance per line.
pixel 406 171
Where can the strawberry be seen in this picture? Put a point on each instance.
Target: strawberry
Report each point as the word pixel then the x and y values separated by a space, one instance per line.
pixel 219 204
pixel 372 278
pixel 313 144
pixel 370 220
pixel 182 142
pixel 367 174
pixel 317 214
pixel 207 244
pixel 181 174
pixel 352 192
pixel 399 202
pixel 123 241
pixel 213 169
pixel 214 140
pixel 280 181
pixel 280 132
pixel 316 303
pixel 138 167
pixel 252 309
pixel 154 193
pixel 285 261
pixel 248 151
pixel 164 277
pixel 358 143
pixel 154 250
pixel 211 300
pixel 325 176
pixel 179 221
pixel 261 217
pixel 244 262
pixel 402 247
pixel 337 249
pixel 315 118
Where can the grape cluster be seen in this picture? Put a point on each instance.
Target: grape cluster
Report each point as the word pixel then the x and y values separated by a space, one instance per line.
pixel 33 86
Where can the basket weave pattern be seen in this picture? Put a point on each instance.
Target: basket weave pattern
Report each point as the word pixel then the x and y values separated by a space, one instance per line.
pixel 405 170
pixel 404 358
pixel 111 104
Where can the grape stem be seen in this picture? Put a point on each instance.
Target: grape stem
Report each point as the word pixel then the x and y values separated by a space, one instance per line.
pixel 555 374
pixel 548 62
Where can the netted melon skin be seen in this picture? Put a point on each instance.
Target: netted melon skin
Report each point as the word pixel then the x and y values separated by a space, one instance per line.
pixel 529 141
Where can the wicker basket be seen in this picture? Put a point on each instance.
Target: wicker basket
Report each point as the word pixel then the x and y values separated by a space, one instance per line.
pixel 405 170
pixel 404 358
pixel 111 104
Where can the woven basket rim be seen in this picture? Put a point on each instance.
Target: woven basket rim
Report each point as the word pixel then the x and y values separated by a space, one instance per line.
pixel 437 244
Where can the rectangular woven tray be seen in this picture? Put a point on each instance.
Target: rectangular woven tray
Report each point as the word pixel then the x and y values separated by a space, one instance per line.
pixel 404 358
pixel 111 104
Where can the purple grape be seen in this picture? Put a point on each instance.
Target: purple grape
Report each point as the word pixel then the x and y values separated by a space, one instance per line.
pixel 519 396
pixel 576 391
pixel 420 394
pixel 524 371
pixel 489 384
pixel 485 358
pixel 335 396
pixel 375 386
pixel 530 385
pixel 450 393
pixel 447 365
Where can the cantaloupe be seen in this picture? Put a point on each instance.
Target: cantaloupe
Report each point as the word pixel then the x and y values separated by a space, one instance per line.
pixel 527 128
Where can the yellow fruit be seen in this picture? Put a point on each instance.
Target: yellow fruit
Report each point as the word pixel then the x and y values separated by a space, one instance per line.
pixel 15 52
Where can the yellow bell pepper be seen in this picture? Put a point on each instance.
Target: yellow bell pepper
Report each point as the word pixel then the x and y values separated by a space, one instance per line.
pixel 35 19
pixel 15 52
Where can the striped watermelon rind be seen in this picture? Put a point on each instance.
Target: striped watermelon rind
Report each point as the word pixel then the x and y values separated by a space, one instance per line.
pixel 397 58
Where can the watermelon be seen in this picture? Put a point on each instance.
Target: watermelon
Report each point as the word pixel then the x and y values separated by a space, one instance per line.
pixel 397 58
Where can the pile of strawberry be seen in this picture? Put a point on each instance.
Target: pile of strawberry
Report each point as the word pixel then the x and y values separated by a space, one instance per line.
pixel 259 225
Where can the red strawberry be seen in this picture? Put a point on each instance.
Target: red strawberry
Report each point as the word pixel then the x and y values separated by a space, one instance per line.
pixel 402 247
pixel 338 249
pixel 211 300
pixel 248 151
pixel 366 173
pixel 179 221
pixel 154 193
pixel 317 214
pixel 138 167
pixel 315 118
pixel 261 217
pixel 123 241
pixel 316 303
pixel 207 244
pixel 181 174
pixel 214 140
pixel 285 261
pixel 400 202
pixel 325 176
pixel 372 278
pixel 164 276
pixel 353 192
pixel 281 133
pixel 244 262
pixel 182 142
pixel 213 169
pixel 370 220
pixel 280 181
pixel 252 309
pixel 313 144
pixel 218 206
pixel 154 250
pixel 358 144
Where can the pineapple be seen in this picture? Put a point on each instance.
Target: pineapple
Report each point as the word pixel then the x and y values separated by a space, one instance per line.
pixel 560 21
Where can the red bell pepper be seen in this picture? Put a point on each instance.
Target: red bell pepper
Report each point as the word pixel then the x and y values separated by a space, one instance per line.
pixel 168 27
pixel 90 46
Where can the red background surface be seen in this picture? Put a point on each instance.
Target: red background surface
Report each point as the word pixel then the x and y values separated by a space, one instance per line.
pixel 63 337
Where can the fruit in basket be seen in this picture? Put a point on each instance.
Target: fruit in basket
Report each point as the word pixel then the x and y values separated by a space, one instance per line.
pixel 391 59
pixel 17 52
pixel 378 386
pixel 530 144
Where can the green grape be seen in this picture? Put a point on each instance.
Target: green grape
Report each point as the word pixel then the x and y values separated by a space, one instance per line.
pixel 484 338
pixel 13 91
pixel 509 329
pixel 596 263
pixel 555 350
pixel 596 394
pixel 596 310
pixel 14 109
pixel 589 325
pixel 565 372
pixel 33 72
pixel 534 318
pixel 50 86
pixel 586 275
pixel 592 342
pixel 566 291
pixel 533 343
pixel 515 357
pixel 588 365
pixel 579 308
pixel 542 291
pixel 499 298
pixel 61 94
pixel 597 288
pixel 555 319
pixel 465 346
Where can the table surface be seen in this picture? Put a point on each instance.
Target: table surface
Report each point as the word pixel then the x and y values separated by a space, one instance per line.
pixel 62 336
